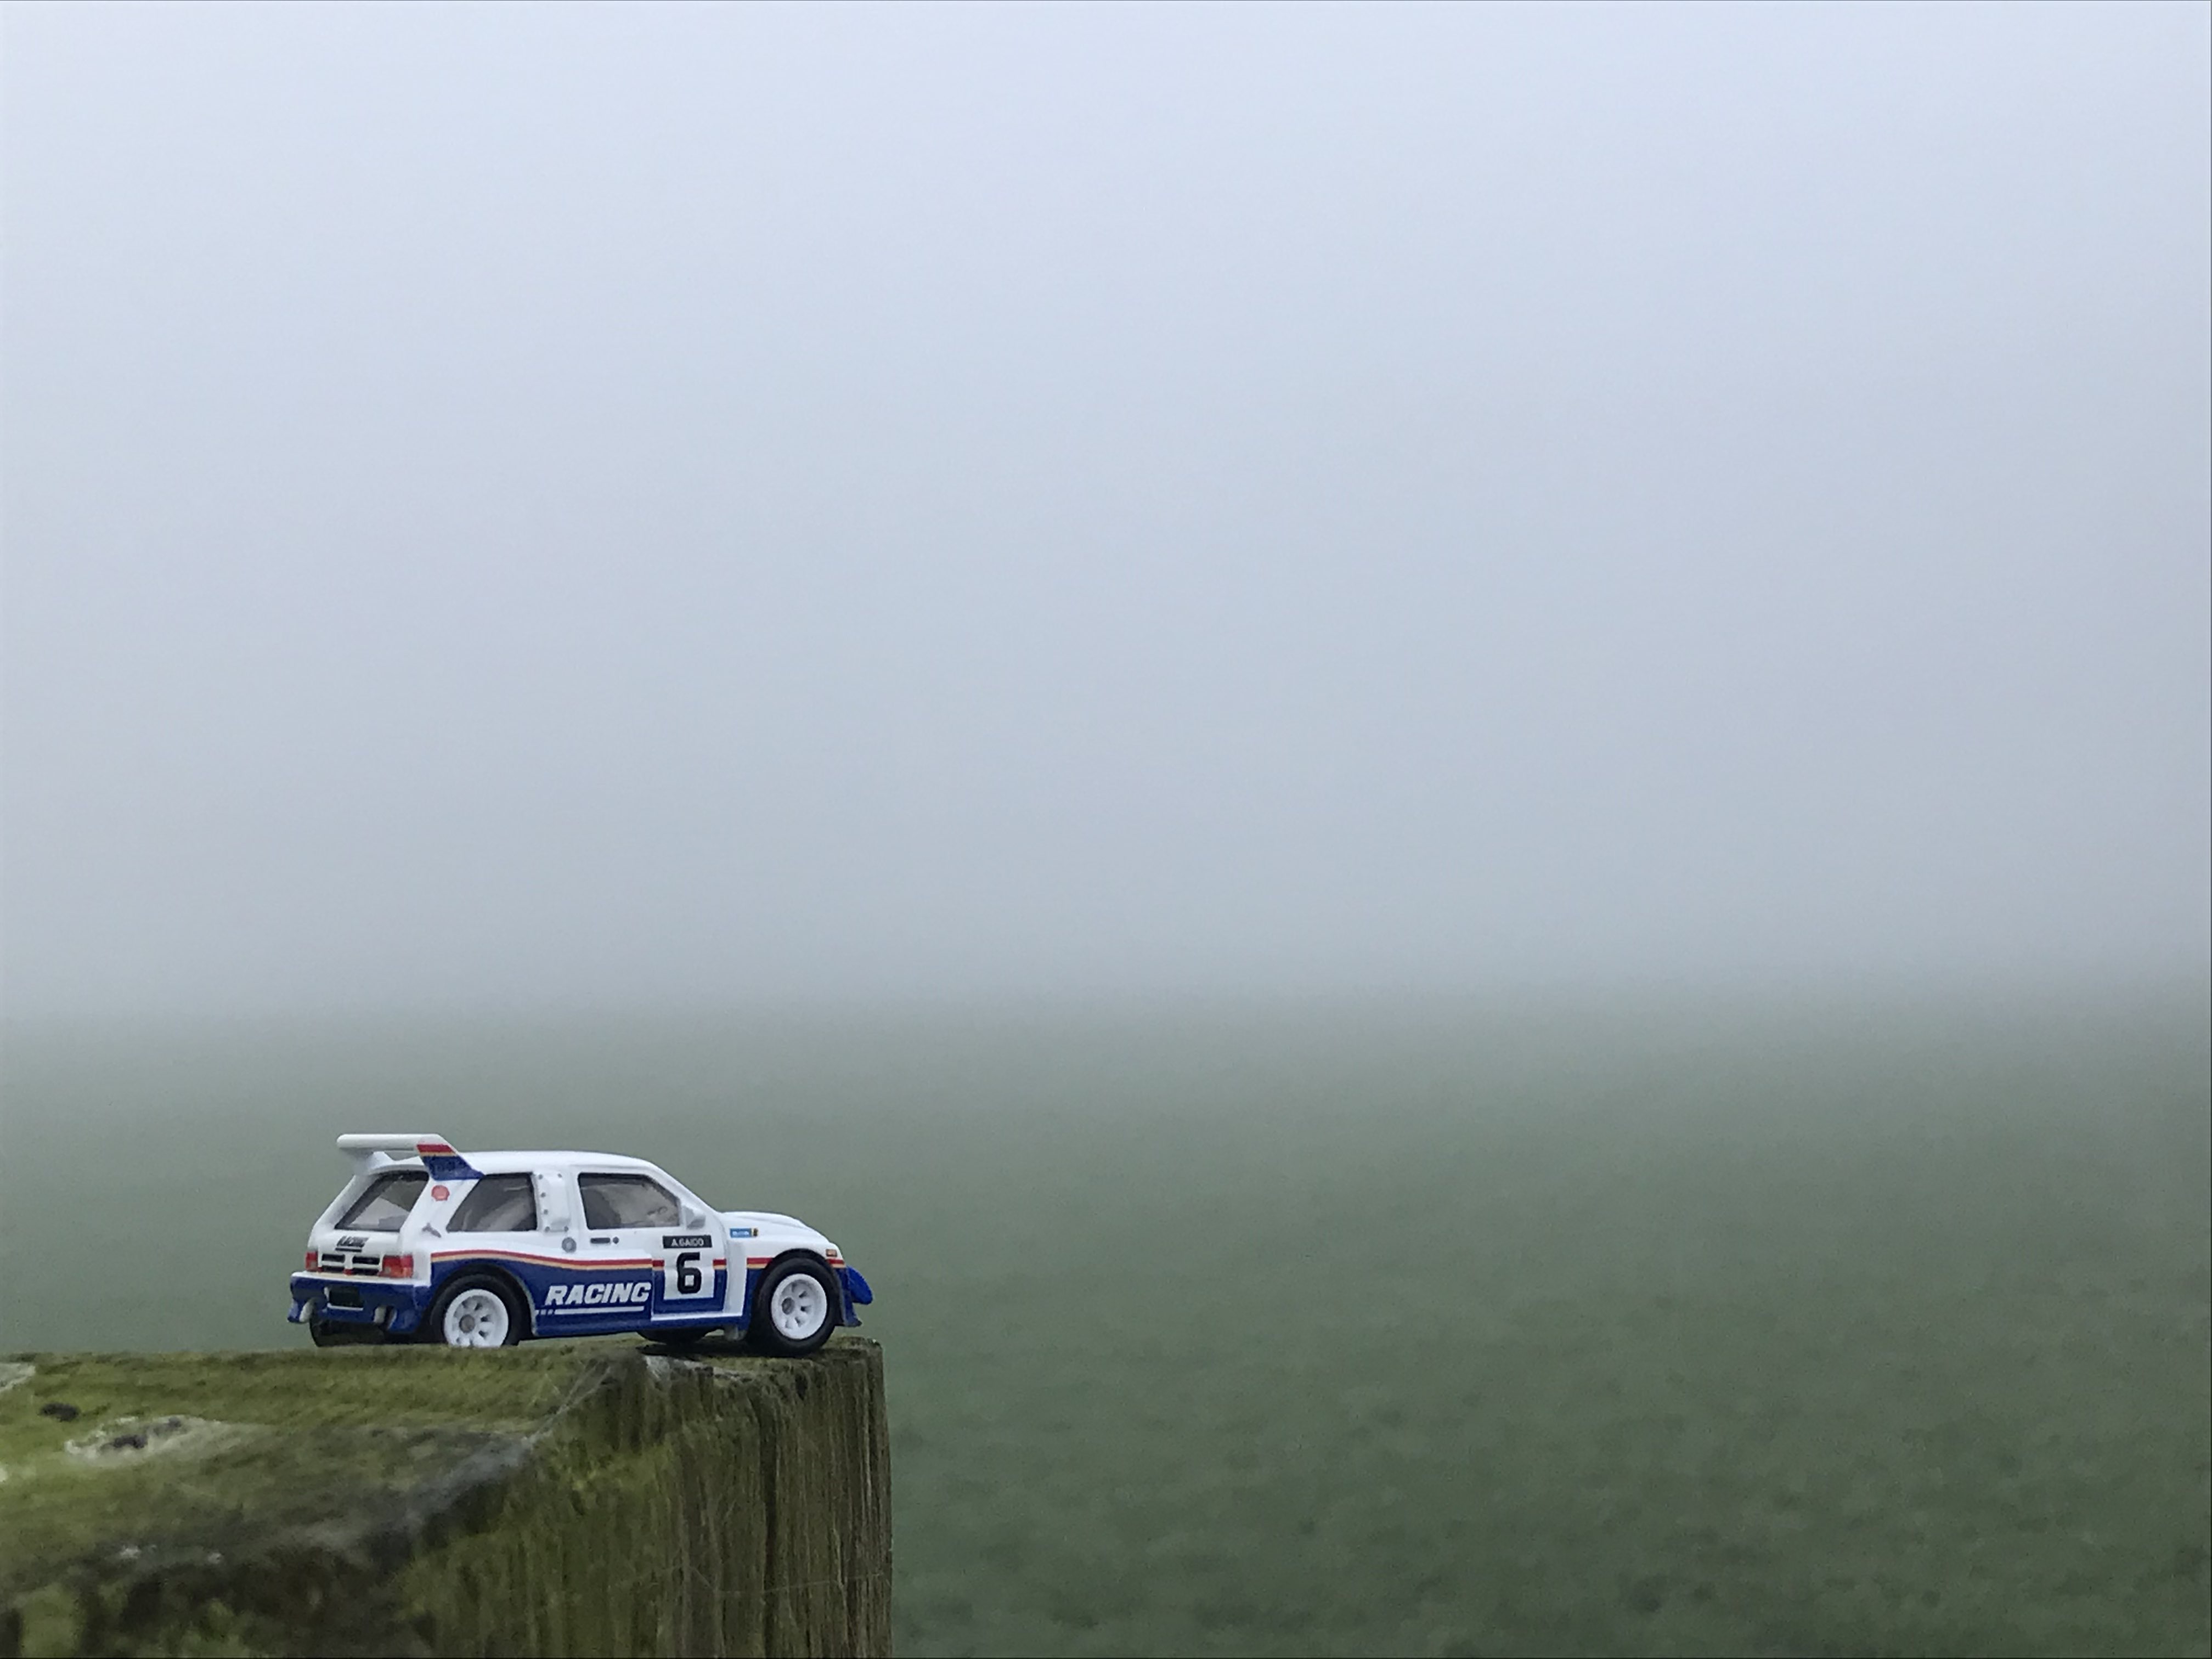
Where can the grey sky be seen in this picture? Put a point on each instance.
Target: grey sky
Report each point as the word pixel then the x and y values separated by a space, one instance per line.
pixel 510 505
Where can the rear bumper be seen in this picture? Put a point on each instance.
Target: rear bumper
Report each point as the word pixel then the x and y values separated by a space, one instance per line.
pixel 393 1305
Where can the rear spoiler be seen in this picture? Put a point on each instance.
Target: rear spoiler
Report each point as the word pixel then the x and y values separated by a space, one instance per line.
pixel 367 1152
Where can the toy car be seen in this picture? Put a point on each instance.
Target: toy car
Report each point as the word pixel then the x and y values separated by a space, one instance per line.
pixel 484 1250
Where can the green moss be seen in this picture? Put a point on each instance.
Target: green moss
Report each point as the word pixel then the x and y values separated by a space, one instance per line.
pixel 297 1438
pixel 578 1497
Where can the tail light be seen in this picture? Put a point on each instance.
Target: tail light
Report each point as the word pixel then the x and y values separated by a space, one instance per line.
pixel 399 1266
pixel 311 1261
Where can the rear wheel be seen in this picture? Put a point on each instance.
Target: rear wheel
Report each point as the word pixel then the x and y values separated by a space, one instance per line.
pixel 474 1311
pixel 794 1309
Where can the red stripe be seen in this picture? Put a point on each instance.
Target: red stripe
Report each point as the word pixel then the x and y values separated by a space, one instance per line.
pixel 546 1261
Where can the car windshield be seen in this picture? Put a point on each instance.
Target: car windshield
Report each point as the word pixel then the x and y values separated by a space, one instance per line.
pixel 500 1203
pixel 627 1201
pixel 386 1202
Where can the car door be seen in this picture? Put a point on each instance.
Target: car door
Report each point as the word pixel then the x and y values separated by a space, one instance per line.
pixel 579 1284
pixel 627 1215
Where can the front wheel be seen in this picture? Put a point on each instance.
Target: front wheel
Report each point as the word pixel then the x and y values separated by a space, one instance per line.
pixel 474 1311
pixel 794 1309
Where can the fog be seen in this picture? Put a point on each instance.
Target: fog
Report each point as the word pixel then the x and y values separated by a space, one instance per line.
pixel 565 507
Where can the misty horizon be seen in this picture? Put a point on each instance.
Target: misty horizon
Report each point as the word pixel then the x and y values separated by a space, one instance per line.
pixel 610 507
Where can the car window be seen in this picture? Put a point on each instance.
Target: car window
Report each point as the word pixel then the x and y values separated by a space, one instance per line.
pixel 627 1201
pixel 500 1203
pixel 386 1202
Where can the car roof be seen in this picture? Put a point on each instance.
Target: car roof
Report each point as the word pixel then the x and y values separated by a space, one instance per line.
pixel 511 1163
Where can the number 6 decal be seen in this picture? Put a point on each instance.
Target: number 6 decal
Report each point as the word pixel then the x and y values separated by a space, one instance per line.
pixel 685 1273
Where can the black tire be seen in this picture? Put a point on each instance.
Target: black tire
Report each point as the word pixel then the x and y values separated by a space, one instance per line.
pixel 433 1328
pixel 681 1339
pixel 760 1333
pixel 328 1334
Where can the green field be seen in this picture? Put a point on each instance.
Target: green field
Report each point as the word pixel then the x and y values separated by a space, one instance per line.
pixel 1551 1326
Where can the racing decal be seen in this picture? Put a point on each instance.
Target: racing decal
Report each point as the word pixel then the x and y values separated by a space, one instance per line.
pixel 537 1261
pixel 687 1267
pixel 614 1294
pixel 444 1163
pixel 602 1297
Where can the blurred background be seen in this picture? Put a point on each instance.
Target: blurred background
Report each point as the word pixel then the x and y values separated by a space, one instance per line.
pixel 1444 772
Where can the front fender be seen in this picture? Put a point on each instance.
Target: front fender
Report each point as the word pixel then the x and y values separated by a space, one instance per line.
pixel 851 1289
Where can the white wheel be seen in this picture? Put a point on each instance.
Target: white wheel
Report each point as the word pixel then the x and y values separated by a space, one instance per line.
pixel 799 1308
pixel 794 1309
pixel 477 1318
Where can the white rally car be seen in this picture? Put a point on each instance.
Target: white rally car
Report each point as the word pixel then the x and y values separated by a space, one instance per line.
pixel 484 1250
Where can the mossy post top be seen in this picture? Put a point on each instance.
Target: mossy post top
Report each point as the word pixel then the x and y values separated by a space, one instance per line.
pixel 619 1498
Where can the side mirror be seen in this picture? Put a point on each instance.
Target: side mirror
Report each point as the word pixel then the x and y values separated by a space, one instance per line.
pixel 694 1218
